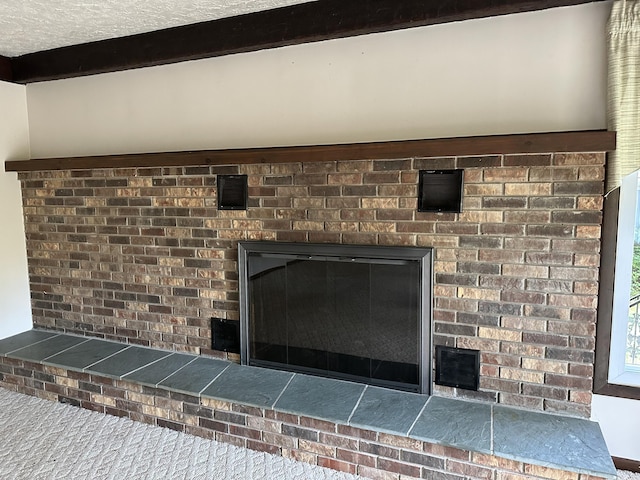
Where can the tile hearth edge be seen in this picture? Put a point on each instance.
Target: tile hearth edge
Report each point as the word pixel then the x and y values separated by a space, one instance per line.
pixel 540 439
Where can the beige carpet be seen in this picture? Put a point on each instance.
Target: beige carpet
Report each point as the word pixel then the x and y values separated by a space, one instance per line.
pixel 622 475
pixel 43 440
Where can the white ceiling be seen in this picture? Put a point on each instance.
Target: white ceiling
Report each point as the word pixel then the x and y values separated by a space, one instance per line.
pixel 28 26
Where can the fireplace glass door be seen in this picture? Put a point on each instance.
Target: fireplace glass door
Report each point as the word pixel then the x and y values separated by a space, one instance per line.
pixel 355 313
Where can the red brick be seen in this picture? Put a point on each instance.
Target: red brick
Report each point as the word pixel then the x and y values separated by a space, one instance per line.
pixel 339 441
pixel 444 451
pixel 398 467
pixel 263 447
pixel 279 440
pixel 380 450
pixel 356 458
pixel 338 465
pixel 499 462
pixel 550 473
pixel 568 381
pixel 474 471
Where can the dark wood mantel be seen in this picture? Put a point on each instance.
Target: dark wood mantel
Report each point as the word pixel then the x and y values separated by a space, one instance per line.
pixel 579 141
pixel 303 23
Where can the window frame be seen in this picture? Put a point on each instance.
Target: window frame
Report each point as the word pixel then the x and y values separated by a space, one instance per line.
pixel 610 377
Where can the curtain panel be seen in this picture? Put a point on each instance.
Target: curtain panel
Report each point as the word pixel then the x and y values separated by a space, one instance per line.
pixel 623 101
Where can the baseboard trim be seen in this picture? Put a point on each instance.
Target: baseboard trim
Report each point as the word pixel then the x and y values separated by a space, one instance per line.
pixel 626 464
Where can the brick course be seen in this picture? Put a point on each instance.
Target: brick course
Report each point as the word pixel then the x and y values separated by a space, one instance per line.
pixel 142 255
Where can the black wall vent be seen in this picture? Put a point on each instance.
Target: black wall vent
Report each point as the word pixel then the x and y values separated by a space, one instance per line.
pixel 232 192
pixel 440 191
pixel 457 367
pixel 226 335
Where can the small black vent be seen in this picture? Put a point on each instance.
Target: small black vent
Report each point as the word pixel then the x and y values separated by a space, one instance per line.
pixel 440 191
pixel 457 367
pixel 226 335
pixel 232 192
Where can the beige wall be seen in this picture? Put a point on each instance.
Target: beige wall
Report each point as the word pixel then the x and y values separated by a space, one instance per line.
pixel 532 72
pixel 14 284
pixel 620 422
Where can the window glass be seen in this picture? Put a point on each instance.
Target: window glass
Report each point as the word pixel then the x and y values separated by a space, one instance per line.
pixel 632 356
pixel 624 362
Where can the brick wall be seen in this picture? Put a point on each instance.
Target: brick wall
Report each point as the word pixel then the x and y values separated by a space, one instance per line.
pixel 143 255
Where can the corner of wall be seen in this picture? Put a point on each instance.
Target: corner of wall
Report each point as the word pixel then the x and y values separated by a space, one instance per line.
pixel 15 303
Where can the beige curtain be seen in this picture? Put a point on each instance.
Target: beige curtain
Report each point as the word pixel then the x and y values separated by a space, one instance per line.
pixel 623 105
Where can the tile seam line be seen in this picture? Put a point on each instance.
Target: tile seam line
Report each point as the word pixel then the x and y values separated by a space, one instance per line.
pixel 84 369
pixel 492 431
pixel 121 377
pixel 214 379
pixel 355 407
pixel 157 385
pixel 418 416
pixel 273 406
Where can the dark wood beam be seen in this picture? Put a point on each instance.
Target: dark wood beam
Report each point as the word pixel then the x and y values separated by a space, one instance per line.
pixel 626 464
pixel 297 24
pixel 583 141
pixel 6 73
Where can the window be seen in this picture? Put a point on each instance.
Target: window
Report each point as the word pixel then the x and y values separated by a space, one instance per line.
pixel 624 357
pixel 618 334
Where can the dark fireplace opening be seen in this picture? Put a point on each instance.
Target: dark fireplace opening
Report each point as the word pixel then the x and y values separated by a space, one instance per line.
pixel 360 313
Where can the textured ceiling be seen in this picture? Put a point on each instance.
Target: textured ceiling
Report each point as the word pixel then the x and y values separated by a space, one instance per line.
pixel 28 26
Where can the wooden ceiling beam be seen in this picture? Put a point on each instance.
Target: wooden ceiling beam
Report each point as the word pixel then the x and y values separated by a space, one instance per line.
pixel 303 23
pixel 6 72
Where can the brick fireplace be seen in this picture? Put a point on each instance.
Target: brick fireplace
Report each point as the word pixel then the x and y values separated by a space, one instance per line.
pixel 142 255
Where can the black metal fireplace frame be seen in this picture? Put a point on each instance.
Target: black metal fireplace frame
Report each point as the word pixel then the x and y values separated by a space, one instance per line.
pixel 424 255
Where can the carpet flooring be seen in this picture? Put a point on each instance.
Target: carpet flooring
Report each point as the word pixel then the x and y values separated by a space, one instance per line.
pixel 623 475
pixel 44 440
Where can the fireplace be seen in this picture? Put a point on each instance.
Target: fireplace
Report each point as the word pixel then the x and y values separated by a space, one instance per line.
pixel 360 313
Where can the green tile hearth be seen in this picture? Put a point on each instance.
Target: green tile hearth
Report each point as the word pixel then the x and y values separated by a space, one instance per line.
pixel 552 440
pixel 154 373
pixel 22 340
pixel 388 410
pixel 543 439
pixel 127 361
pixel 323 398
pixel 85 354
pixel 194 376
pixel 258 387
pixel 51 346
pixel 455 423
